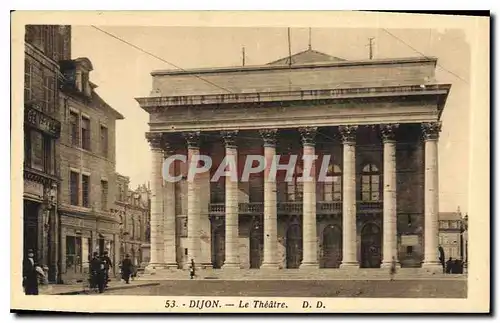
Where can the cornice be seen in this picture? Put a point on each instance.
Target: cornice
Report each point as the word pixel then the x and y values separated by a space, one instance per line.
pixel 151 104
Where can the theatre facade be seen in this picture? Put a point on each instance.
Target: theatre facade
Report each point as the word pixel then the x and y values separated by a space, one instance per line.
pixel 378 121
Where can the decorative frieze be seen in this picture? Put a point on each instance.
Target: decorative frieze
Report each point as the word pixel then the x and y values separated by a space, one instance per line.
pixel 308 135
pixel 269 136
pixel 192 138
pixel 388 131
pixel 431 130
pixel 348 133
pixel 41 121
pixel 229 137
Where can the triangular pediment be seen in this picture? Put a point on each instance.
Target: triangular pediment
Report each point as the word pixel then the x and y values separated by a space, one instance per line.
pixel 306 57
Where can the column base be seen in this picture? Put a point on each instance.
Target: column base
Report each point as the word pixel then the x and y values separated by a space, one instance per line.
pixel 349 265
pixel 388 264
pixel 271 266
pixel 434 267
pixel 205 265
pixel 231 266
pixel 309 265
pixel 152 268
pixel 171 265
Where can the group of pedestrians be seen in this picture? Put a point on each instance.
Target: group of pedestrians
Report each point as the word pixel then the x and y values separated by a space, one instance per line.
pixel 100 267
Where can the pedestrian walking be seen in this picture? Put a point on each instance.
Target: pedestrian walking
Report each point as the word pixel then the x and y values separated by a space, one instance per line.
pixel 97 273
pixel 127 268
pixel 192 269
pixel 107 265
pixel 31 272
pixel 392 270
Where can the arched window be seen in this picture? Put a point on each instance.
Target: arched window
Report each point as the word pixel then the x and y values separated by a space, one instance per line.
pixel 333 189
pixel 370 183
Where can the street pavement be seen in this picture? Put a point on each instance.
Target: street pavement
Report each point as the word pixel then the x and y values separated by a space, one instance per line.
pixel 421 288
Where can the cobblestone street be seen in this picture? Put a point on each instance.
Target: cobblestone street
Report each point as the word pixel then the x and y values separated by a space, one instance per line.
pixel 294 288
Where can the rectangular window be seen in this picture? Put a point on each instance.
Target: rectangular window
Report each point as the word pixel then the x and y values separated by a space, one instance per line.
pixel 37 156
pixel 328 191
pixel 290 190
pixel 85 133
pixel 48 101
pixel 337 188
pixel 49 156
pixel 104 195
pixel 104 141
pixel 409 250
pixel 85 191
pixel 74 187
pixel 27 148
pixel 74 128
pixel 27 80
pixel 73 254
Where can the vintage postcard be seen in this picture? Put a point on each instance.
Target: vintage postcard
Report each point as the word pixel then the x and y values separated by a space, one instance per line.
pixel 250 162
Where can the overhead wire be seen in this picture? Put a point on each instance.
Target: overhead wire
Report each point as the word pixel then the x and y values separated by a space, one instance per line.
pixel 158 57
pixel 419 52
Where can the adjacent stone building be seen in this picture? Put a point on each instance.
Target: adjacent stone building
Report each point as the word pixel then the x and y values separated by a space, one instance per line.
pixel 87 171
pixel 45 46
pixel 132 208
pixel 379 120
pixel 451 229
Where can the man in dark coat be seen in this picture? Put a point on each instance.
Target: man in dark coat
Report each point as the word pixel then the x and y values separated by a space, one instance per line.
pixel 30 274
pixel 97 272
pixel 127 268
pixel 107 266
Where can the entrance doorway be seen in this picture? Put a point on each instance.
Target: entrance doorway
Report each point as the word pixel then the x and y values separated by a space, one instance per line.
pixel 30 226
pixel 219 246
pixel 332 247
pixel 371 241
pixel 293 246
pixel 256 246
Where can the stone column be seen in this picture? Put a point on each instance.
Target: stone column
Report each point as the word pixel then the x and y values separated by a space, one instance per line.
pixel 169 246
pixel 270 208
pixel 390 242
pixel 193 207
pixel 310 243
pixel 156 221
pixel 349 259
pixel 431 218
pixel 232 232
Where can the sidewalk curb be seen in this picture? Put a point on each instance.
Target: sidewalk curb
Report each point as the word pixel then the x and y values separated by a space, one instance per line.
pixel 83 291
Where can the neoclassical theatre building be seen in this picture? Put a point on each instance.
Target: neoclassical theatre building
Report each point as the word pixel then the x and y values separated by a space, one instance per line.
pixel 378 120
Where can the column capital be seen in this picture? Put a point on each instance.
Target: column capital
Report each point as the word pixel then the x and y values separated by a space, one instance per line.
pixel 155 140
pixel 308 135
pixel 431 130
pixel 348 133
pixel 269 136
pixel 388 131
pixel 192 138
pixel 229 137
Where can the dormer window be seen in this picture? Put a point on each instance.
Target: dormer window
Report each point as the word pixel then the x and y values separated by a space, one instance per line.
pixel 85 83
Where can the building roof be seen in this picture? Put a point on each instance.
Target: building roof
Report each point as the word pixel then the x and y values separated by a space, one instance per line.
pixel 307 56
pixel 97 99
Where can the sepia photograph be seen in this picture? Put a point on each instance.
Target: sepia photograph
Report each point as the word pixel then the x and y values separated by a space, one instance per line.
pixel 243 167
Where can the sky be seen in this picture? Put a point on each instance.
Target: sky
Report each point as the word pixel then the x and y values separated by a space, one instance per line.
pixel 122 74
